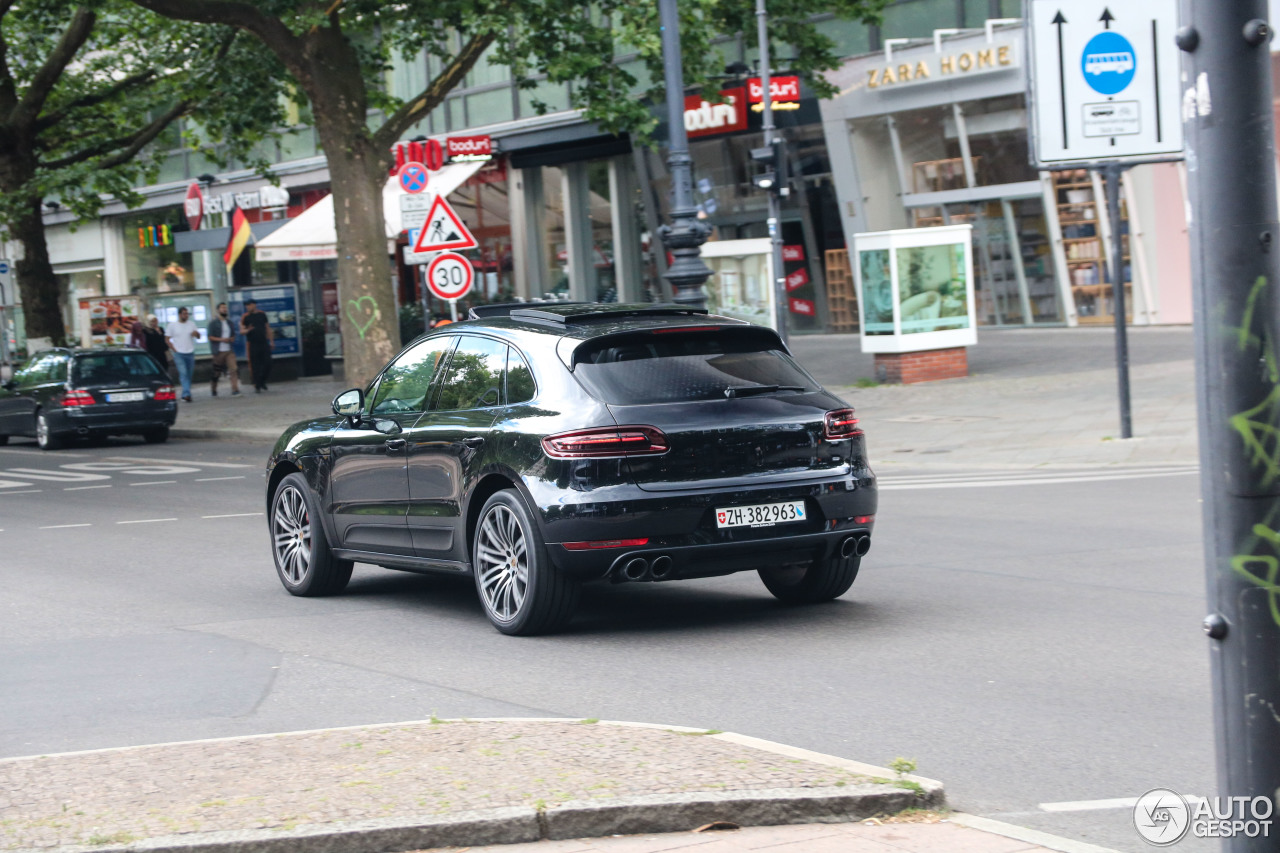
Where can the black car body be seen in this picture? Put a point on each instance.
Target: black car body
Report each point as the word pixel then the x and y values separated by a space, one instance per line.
pixel 61 394
pixel 627 443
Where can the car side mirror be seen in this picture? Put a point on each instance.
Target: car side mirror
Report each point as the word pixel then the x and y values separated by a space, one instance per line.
pixel 349 404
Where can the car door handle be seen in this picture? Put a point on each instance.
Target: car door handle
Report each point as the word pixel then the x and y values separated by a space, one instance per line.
pixel 394 444
pixel 473 442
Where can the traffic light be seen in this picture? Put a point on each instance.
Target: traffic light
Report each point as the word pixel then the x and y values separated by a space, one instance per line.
pixel 772 159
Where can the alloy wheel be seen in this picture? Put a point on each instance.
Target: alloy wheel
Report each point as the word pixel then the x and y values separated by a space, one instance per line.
pixel 42 431
pixel 291 534
pixel 502 560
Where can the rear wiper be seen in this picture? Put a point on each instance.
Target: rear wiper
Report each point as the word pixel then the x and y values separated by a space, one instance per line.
pixel 752 390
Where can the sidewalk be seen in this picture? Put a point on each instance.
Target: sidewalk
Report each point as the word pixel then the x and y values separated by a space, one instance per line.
pixel 1040 397
pixel 481 782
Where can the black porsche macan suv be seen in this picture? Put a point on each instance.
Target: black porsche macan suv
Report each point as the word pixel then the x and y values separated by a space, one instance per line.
pixel 570 443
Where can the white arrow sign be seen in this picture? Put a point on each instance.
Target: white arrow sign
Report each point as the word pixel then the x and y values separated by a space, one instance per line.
pixel 1104 81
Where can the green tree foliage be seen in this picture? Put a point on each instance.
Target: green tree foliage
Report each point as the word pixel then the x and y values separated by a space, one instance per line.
pixel 338 53
pixel 85 88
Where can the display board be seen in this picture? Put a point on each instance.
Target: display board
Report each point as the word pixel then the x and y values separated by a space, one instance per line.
pixel 200 305
pixel 280 303
pixel 741 285
pixel 107 321
pixel 915 288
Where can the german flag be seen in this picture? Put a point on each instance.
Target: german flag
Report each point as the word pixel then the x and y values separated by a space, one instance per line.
pixel 240 236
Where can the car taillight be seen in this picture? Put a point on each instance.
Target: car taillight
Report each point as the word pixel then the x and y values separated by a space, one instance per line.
pixel 605 442
pixel 841 424
pixel 166 392
pixel 78 397
pixel 604 543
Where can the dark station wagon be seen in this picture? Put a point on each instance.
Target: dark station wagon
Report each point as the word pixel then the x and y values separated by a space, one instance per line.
pixel 541 447
pixel 62 394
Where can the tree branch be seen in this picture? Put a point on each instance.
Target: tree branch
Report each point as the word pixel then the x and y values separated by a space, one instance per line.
pixel 245 16
pixel 416 108
pixel 8 93
pixel 49 119
pixel 128 146
pixel 73 38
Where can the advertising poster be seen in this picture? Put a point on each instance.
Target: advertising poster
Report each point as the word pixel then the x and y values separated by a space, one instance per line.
pixel 280 304
pixel 739 288
pixel 199 303
pixel 877 292
pixel 932 288
pixel 108 321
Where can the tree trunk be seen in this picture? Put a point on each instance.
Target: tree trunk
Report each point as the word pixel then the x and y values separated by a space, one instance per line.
pixel 357 174
pixel 38 285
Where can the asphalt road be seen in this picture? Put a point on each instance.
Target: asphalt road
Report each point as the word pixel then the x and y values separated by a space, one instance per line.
pixel 1027 643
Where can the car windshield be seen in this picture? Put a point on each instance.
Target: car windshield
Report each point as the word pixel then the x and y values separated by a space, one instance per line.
pixel 113 368
pixel 674 367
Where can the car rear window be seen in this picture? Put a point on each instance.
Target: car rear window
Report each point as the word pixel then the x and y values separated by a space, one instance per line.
pixel 673 367
pixel 109 368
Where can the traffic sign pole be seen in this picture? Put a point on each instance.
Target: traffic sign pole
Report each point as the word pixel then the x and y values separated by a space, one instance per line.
pixel 1235 248
pixel 1112 175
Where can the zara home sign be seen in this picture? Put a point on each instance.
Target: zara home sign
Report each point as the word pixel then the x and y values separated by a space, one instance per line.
pixel 945 65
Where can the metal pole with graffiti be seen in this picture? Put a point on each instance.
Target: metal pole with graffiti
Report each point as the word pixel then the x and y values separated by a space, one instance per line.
pixel 1235 241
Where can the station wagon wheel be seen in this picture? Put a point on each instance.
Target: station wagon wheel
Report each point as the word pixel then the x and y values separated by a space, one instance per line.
pixel 44 435
pixel 304 561
pixel 521 591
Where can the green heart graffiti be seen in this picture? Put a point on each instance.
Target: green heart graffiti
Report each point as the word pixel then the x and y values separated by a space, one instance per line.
pixel 357 311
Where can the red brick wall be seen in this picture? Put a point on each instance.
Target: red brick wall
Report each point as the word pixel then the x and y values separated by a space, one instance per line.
pixel 908 367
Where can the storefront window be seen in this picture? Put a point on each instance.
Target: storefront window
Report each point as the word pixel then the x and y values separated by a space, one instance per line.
pixel 997 129
pixel 152 263
pixel 601 214
pixel 555 254
pixel 484 203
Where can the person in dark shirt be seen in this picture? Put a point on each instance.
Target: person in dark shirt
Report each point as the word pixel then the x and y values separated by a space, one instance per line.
pixel 257 333
pixel 154 342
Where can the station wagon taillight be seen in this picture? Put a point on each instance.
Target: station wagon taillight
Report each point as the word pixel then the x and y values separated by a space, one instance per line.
pixel 78 397
pixel 166 392
pixel 606 442
pixel 841 424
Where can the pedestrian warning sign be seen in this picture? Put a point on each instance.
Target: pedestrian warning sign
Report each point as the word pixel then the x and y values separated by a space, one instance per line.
pixel 443 230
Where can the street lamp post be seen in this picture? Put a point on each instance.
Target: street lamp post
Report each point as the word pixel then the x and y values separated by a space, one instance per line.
pixel 779 189
pixel 685 233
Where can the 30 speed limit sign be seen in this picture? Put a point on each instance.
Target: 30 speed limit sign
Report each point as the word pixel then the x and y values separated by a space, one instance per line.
pixel 450 275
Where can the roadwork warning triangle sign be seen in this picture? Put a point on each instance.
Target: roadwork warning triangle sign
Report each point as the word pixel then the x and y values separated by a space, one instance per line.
pixel 443 231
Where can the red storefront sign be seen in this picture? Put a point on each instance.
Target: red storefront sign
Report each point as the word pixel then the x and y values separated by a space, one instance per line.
pixel 793 253
pixel 797 280
pixel 784 89
pixel 803 306
pixel 429 153
pixel 703 118
pixel 469 147
pixel 193 206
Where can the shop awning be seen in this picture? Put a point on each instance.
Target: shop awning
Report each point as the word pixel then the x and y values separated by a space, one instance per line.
pixel 313 235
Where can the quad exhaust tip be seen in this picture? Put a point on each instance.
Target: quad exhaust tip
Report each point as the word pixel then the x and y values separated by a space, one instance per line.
pixel 661 567
pixel 635 569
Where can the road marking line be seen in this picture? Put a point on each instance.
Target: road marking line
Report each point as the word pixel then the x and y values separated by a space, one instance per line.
pixel 146 461
pixel 1099 805
pixel 146 520
pixel 61 454
pixel 26 492
pixel 154 483
pixel 214 479
pixel 1046 481
pixel 233 515
pixel 63 526
pixel 82 488
pixel 1090 805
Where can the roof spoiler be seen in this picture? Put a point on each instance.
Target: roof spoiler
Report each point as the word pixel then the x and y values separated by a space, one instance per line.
pixel 585 312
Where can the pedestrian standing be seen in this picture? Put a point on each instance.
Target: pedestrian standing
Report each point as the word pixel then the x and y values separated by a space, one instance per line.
pixel 154 341
pixel 182 337
pixel 257 333
pixel 222 338
pixel 137 335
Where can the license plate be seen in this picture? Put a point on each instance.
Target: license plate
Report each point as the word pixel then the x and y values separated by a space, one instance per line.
pixel 760 515
pixel 124 397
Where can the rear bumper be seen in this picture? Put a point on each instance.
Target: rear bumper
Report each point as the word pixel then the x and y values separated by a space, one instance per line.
pixel 84 421
pixel 682 528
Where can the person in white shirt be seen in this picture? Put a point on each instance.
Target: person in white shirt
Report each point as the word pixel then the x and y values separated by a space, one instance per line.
pixel 222 338
pixel 182 337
